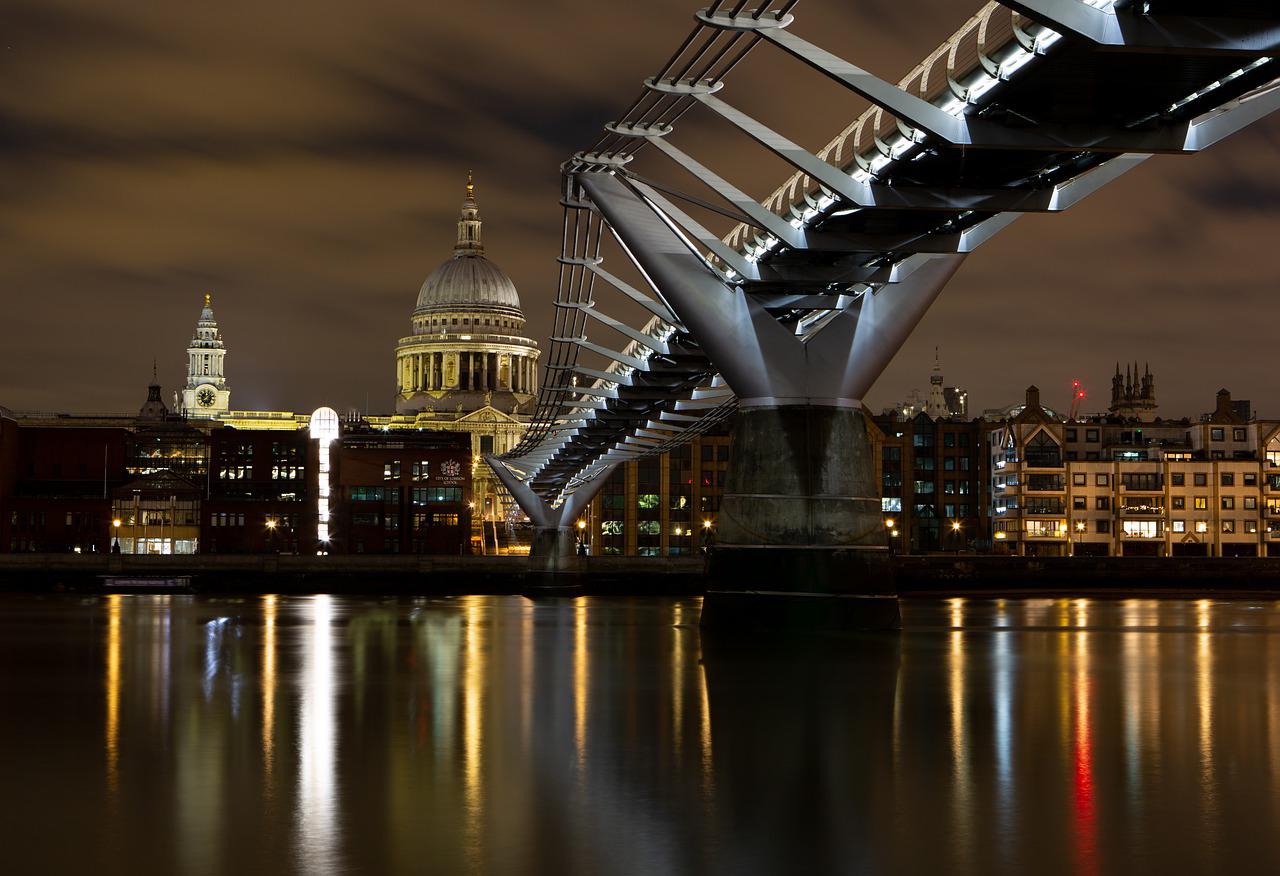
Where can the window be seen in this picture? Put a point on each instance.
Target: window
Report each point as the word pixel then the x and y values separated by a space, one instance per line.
pixel 1179 502
pixel 1071 434
pixel 1149 481
pixel 1079 503
pixel 445 520
pixel 1200 503
pixel 648 501
pixel 1227 479
pixel 1228 526
pixel 1237 434
pixel 923 487
pixel 486 444
pixel 891 503
pixel 1043 451
pixel 391 470
pixel 1102 503
pixel 1215 434
pixel 391 523
pixel 948 439
pixel 419 471
pixel 949 463
pixel 1228 503
pixel 888 453
pixel 427 495
pixel 1141 528
pixel 1102 526
pixel 1179 526
pixel 1047 528
pixel 365 518
pixel 964 463
pixel 1251 527
pixel 648 527
pixel 1101 480
pixel 1202 526
pixel 948 510
pixel 964 487
pixel 366 494
pixel 1200 479
pixel 949 488
pixel 924 463
pixel 1091 436
pixel 1045 482
pixel 1251 479
pixel 1178 479
pixel 611 527
pixel 1251 503
pixel 1079 479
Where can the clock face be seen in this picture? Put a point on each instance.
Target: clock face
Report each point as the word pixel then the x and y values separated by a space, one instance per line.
pixel 206 397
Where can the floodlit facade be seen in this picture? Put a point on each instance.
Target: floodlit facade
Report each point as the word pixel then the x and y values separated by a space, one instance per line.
pixel 1135 487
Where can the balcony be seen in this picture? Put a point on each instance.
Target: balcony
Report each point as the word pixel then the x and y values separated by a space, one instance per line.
pixel 1151 509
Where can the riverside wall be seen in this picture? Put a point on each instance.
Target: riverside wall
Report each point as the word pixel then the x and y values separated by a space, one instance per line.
pixel 963 575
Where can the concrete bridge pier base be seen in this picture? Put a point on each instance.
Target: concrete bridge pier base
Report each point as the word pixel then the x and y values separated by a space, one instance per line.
pixel 554 565
pixel 801 540
pixel 555 569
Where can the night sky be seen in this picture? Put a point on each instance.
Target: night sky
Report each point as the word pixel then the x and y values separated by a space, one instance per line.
pixel 305 163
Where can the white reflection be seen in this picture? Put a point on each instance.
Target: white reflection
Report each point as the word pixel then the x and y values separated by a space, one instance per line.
pixel 317 815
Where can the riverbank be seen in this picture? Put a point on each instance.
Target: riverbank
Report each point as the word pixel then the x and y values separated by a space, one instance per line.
pixel 964 575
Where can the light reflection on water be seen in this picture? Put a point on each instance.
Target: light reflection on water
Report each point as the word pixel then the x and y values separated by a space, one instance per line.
pixel 328 734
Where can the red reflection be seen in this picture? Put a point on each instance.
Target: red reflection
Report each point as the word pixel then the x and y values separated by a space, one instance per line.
pixel 1086 836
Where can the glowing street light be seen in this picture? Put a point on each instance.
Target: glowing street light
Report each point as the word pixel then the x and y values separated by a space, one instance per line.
pixel 706 524
pixel 582 524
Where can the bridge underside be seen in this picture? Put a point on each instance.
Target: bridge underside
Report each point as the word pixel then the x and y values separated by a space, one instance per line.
pixel 785 322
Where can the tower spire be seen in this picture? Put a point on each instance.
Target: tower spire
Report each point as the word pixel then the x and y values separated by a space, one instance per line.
pixel 469 243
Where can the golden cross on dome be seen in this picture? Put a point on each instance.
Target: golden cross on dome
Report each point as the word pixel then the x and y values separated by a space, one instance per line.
pixel 208 296
pixel 471 186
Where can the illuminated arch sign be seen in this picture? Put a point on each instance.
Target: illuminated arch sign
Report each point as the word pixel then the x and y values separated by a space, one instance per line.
pixel 325 430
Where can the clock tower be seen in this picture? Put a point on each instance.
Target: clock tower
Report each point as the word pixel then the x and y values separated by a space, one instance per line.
pixel 206 393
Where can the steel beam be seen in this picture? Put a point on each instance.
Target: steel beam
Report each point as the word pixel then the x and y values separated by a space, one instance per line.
pixel 1173 34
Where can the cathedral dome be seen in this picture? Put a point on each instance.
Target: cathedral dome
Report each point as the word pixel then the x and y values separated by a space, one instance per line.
pixel 468 281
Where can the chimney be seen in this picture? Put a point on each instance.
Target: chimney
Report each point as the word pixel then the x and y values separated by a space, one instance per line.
pixel 1033 396
pixel 1224 403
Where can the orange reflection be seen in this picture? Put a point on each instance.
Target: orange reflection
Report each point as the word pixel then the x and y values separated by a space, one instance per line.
pixel 580 678
pixel 677 676
pixel 113 692
pixel 1085 811
pixel 268 688
pixel 473 725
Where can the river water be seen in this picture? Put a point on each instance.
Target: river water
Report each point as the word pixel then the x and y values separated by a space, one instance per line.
pixel 154 734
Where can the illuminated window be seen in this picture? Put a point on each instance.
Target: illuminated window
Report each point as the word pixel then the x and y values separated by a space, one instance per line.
pixel 1179 526
pixel 1228 526
pixel 1141 529
pixel 1200 503
pixel 1202 526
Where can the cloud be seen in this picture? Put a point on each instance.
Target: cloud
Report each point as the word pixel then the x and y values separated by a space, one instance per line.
pixel 306 164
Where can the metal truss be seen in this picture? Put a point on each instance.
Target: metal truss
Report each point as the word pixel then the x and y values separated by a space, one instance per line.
pixel 1029 107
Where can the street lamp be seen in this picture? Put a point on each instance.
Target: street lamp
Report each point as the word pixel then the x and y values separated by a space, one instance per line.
pixel 582 543
pixel 271 533
pixel 955 528
pixel 115 545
